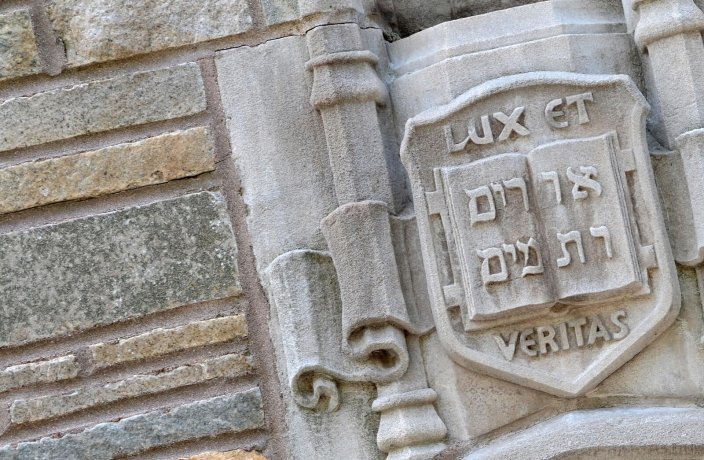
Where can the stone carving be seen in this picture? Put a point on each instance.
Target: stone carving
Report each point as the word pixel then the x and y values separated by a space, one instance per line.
pixel 345 312
pixel 670 32
pixel 535 273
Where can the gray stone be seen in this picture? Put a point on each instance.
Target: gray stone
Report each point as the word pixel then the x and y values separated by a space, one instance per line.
pixel 101 105
pixel 53 370
pixel 160 341
pixel 18 48
pixel 281 11
pixel 522 235
pixel 128 263
pixel 46 407
pixel 121 167
pixel 201 419
pixel 103 30
pixel 262 116
pixel 626 433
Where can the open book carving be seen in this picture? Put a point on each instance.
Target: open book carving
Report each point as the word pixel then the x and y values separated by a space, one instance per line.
pixel 540 228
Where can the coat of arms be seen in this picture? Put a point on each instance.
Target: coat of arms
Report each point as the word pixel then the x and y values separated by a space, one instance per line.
pixel 541 229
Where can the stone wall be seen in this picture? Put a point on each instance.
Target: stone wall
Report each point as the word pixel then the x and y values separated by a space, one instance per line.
pixel 355 229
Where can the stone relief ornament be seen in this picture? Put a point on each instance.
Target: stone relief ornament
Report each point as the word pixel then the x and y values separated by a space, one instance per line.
pixel 546 256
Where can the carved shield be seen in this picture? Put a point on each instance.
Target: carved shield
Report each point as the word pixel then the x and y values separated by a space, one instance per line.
pixel 544 246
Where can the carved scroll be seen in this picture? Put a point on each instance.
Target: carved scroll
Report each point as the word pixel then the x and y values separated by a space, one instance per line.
pixel 305 294
pixel 359 237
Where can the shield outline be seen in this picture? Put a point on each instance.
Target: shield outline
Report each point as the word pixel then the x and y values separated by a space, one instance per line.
pixel 666 305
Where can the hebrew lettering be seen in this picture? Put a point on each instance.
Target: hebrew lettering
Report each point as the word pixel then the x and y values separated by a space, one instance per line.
pixel 519 183
pixel 551 176
pixel 511 250
pixel 487 255
pixel 499 190
pixel 585 181
pixel 531 247
pixel 603 233
pixel 570 237
pixel 476 196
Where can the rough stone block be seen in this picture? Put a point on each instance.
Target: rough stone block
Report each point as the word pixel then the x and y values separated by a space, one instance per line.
pixel 103 30
pixel 162 341
pixel 109 170
pixel 128 264
pixel 211 417
pixel 101 105
pixel 46 407
pixel 18 49
pixel 53 370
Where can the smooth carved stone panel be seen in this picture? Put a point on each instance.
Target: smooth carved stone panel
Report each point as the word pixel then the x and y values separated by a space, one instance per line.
pixel 129 263
pixel 546 253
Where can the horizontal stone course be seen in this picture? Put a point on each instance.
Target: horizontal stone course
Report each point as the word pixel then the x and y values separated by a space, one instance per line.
pixel 121 167
pixel 101 105
pixel 229 455
pixel 103 30
pixel 46 407
pixel 128 263
pixel 53 370
pixel 231 413
pixel 19 55
pixel 163 341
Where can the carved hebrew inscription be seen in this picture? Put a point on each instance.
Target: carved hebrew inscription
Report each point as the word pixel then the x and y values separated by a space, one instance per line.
pixel 523 243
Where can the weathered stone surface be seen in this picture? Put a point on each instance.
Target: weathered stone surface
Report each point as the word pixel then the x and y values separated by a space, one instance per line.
pixel 630 433
pixel 103 30
pixel 18 48
pixel 46 407
pixel 162 341
pixel 223 414
pixel 101 105
pixel 128 263
pixel 112 169
pixel 261 117
pixel 280 11
pixel 229 455
pixel 53 370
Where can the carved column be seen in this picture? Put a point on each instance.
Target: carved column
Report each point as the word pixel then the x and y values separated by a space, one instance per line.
pixel 669 34
pixel 346 91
